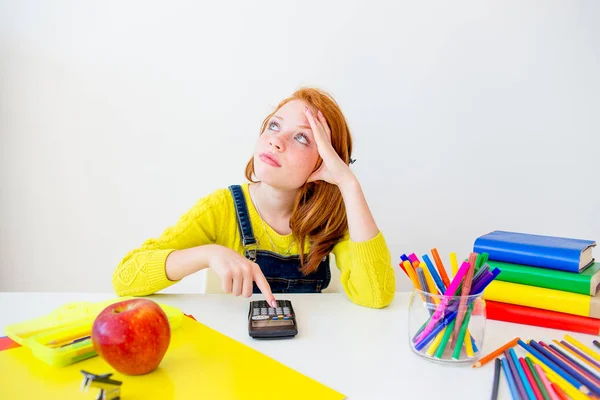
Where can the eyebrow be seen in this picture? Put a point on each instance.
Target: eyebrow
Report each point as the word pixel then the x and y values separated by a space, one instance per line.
pixel 299 126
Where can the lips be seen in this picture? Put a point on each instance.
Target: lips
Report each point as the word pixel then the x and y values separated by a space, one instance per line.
pixel 270 159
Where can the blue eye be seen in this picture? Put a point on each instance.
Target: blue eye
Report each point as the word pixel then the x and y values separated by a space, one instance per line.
pixel 273 123
pixel 301 138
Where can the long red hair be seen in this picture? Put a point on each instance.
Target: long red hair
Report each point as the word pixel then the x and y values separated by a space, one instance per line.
pixel 318 214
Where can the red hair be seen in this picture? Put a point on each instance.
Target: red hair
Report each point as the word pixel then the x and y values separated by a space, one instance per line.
pixel 318 214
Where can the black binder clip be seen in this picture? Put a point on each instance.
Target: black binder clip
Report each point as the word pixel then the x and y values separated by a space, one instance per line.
pixel 110 389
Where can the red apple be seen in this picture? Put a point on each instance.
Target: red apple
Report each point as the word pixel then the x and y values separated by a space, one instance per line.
pixel 132 335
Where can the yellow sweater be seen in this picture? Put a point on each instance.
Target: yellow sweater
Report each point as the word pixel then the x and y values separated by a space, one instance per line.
pixel 365 267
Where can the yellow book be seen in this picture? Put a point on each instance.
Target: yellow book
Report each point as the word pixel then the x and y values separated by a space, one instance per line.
pixel 546 299
pixel 200 363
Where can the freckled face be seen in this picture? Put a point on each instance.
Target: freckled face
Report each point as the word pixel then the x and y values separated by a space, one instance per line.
pixel 286 153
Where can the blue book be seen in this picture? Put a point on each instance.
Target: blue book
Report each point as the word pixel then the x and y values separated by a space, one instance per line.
pixel 565 254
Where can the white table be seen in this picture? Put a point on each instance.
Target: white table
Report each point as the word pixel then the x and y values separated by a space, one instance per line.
pixel 357 351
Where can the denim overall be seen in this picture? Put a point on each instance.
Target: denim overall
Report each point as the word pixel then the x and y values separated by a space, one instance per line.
pixel 282 272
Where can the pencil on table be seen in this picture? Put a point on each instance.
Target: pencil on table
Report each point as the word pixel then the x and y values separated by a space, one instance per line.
pixel 522 375
pixel 551 368
pixel 575 353
pixel 510 379
pixel 571 361
pixel 538 380
pixel 544 379
pixel 567 368
pixel 513 369
pixel 582 347
pixel 496 353
pixel 495 384
pixel 579 352
pixel 559 392
pixel 530 379
pixel 563 384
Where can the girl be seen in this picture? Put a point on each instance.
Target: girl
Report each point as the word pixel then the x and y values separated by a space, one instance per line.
pixel 275 234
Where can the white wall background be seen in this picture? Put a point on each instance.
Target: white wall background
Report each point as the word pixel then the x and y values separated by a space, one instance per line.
pixel 115 117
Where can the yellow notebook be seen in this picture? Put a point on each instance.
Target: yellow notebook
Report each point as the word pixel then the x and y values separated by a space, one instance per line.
pixel 201 363
pixel 546 299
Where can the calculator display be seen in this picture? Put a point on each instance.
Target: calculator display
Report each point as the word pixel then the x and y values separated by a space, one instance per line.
pixel 270 322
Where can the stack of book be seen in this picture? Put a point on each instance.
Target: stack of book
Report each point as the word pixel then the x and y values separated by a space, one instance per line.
pixel 545 281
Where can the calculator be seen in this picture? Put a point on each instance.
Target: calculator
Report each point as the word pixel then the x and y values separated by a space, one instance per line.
pixel 266 322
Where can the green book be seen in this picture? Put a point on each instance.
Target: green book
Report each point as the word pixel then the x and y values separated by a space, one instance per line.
pixel 586 282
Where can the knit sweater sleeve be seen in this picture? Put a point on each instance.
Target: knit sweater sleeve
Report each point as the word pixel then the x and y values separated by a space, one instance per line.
pixel 142 271
pixel 366 271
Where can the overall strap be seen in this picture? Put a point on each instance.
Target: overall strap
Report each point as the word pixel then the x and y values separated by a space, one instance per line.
pixel 243 221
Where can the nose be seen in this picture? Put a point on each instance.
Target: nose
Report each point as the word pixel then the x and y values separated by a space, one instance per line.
pixel 276 143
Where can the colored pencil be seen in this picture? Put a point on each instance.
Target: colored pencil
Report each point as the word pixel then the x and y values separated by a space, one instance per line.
pixel 433 287
pixel 572 362
pixel 582 347
pixel 440 350
pixel 496 381
pixel 463 300
pixel 431 335
pixel 559 380
pixel 442 307
pixel 544 379
pixel 453 263
pixel 596 343
pixel 526 384
pixel 576 350
pixel 546 364
pixel 591 379
pixel 425 290
pixel 440 267
pixel 458 343
pixel 559 392
pixel 496 353
pixel 529 375
pixel 516 376
pixel 434 274
pixel 410 271
pixel 469 344
pixel 510 379
pixel 413 257
pixel 403 269
pixel 538 380
pixel 436 342
pixel 574 373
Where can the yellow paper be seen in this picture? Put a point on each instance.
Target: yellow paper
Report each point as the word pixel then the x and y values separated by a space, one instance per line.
pixel 200 363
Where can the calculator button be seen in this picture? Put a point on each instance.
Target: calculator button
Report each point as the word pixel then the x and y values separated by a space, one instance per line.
pixel 259 317
pixel 279 310
pixel 271 311
pixel 275 318
pixel 263 311
pixel 280 316
pixel 286 310
pixel 255 311
pixel 286 317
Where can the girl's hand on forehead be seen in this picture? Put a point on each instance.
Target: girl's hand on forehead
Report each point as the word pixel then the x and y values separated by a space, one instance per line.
pixel 333 169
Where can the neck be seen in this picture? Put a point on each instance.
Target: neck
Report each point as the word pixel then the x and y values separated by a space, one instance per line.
pixel 274 204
